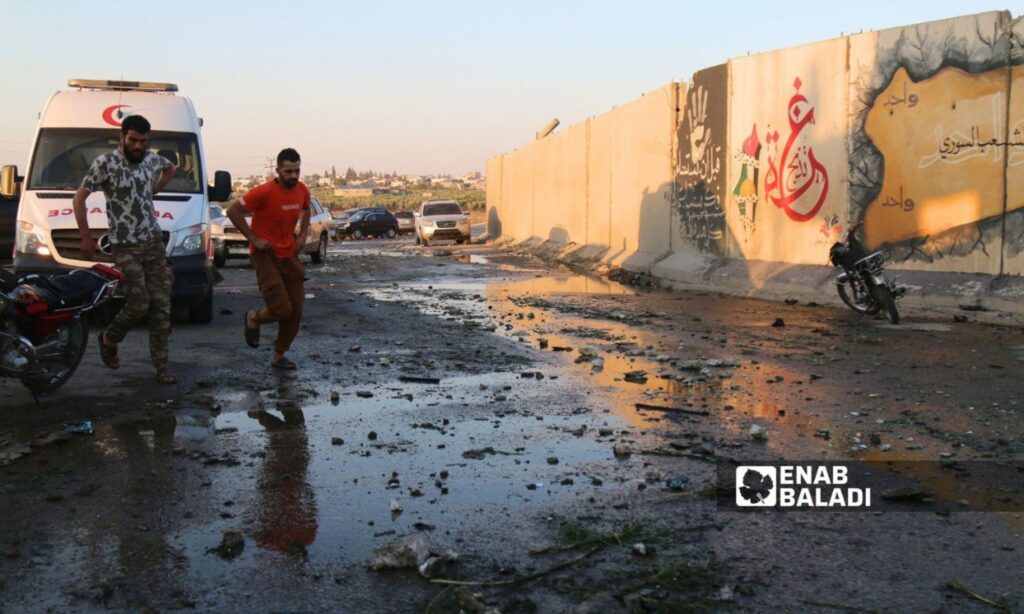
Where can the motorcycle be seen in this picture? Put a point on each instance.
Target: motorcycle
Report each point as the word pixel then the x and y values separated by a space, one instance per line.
pixel 863 285
pixel 42 335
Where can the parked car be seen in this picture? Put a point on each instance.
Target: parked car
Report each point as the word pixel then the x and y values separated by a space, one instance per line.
pixel 376 222
pixel 340 219
pixel 406 221
pixel 442 220
pixel 233 244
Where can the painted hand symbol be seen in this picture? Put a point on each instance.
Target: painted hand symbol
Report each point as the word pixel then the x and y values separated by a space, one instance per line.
pixel 700 134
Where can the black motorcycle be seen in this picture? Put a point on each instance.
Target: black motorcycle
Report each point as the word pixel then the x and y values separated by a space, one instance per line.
pixel 42 335
pixel 863 284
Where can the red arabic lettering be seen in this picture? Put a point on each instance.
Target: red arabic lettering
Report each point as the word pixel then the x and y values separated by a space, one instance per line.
pixel 791 176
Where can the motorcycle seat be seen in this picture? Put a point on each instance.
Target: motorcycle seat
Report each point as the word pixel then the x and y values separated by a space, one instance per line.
pixel 74 289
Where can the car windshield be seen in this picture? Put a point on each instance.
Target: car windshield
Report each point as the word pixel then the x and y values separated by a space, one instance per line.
pixel 442 209
pixel 404 214
pixel 63 156
pixel 358 215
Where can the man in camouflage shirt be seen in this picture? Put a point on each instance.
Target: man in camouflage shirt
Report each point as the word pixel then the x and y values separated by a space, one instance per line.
pixel 128 177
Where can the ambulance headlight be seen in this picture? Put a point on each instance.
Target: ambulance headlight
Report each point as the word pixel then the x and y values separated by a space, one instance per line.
pixel 193 241
pixel 30 240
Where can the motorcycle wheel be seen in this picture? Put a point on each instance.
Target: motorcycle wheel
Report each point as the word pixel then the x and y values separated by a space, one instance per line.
pixel 58 371
pixel 860 304
pixel 887 301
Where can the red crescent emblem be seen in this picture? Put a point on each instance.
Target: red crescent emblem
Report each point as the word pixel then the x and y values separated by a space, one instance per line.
pixel 108 114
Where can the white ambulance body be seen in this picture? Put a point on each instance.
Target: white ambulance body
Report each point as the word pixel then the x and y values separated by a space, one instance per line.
pixel 75 128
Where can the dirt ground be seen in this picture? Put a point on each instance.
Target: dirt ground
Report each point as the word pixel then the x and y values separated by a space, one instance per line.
pixel 243 489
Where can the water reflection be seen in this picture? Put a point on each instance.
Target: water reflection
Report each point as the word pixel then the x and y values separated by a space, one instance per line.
pixel 285 511
pixel 574 284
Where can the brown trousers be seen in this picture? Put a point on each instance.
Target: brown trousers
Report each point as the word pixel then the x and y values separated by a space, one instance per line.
pixel 283 289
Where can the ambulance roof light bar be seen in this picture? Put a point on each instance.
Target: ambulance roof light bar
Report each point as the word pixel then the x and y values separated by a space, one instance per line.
pixel 137 86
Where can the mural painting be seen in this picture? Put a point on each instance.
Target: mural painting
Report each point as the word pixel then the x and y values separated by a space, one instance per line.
pixel 929 140
pixel 796 182
pixel 700 175
pixel 944 142
pixel 745 193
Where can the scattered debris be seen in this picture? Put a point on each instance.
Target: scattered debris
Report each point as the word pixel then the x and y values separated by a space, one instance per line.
pixel 414 379
pixel 692 412
pixel 960 588
pixel 677 483
pixel 482 452
pixel 778 323
pixel 231 544
pixel 434 566
pixel 621 450
pixel 636 377
pixel 79 428
pixel 642 549
pixel 406 553
pixel 758 432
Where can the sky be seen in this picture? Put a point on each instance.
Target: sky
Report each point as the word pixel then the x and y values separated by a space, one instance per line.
pixel 425 87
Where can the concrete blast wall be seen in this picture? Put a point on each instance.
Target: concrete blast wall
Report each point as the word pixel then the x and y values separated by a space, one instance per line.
pixel 916 133
pixel 606 183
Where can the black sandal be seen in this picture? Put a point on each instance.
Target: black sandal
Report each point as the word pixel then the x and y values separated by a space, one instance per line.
pixel 284 364
pixel 164 376
pixel 252 335
pixel 108 353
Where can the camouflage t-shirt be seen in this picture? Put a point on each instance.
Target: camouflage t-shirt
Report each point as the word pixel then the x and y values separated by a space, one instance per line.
pixel 129 191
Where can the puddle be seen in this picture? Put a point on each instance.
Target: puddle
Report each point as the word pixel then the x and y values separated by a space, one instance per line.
pixel 928 327
pixel 309 478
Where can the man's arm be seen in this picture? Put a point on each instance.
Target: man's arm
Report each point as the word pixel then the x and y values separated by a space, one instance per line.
pixel 165 178
pixel 300 238
pixel 88 246
pixel 236 213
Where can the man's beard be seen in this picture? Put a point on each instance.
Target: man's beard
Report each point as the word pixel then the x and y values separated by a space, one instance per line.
pixel 134 155
pixel 289 183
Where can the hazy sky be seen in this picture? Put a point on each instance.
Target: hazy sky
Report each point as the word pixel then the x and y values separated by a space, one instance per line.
pixel 415 87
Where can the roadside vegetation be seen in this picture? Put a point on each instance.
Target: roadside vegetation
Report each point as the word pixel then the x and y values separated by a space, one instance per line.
pixel 474 200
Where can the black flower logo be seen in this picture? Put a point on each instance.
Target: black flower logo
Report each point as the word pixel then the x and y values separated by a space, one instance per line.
pixel 756 487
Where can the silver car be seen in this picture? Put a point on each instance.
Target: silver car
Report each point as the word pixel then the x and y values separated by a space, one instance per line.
pixel 229 242
pixel 442 220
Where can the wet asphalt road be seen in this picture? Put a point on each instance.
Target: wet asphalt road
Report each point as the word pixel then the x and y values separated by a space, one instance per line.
pixel 493 463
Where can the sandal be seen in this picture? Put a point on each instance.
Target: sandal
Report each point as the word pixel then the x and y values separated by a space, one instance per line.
pixel 108 353
pixel 284 364
pixel 164 376
pixel 252 335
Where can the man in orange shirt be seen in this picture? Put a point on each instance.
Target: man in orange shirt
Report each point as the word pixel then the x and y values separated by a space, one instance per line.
pixel 276 206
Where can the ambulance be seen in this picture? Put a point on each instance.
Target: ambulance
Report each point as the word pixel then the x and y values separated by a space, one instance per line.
pixel 77 126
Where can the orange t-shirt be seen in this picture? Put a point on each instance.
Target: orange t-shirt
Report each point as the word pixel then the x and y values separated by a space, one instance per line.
pixel 275 212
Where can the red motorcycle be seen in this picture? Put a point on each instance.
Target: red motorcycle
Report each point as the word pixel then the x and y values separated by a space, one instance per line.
pixel 42 335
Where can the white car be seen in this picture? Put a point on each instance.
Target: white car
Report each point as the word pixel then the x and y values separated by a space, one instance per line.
pixel 442 220
pixel 229 242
